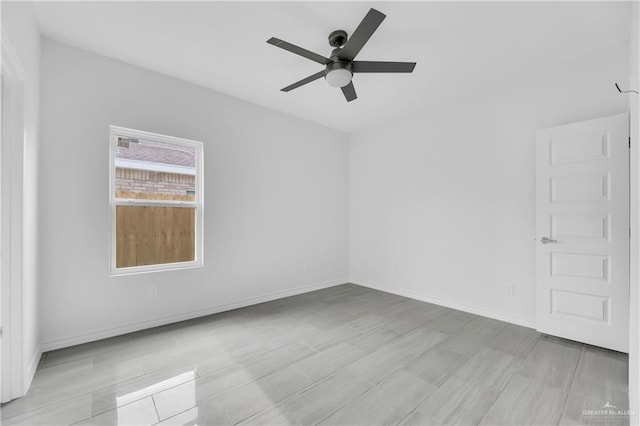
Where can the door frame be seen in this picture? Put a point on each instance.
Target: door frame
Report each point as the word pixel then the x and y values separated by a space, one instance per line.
pixel 11 227
pixel 634 131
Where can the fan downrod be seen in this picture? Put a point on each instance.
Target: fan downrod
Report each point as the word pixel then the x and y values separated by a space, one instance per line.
pixel 338 38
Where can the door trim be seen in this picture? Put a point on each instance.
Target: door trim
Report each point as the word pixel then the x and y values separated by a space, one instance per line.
pixel 11 213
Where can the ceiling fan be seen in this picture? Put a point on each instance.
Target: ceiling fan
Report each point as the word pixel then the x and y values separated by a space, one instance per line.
pixel 340 66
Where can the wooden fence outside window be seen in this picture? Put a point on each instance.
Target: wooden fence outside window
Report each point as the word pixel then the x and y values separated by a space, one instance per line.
pixel 149 235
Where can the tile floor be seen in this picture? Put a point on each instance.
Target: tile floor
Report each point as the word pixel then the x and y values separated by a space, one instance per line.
pixel 341 356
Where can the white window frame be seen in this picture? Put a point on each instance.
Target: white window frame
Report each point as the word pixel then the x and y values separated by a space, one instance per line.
pixel 114 133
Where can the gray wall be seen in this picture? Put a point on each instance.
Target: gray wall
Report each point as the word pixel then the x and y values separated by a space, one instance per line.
pixel 442 203
pixel 276 188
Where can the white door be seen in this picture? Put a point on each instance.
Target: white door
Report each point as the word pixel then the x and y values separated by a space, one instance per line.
pixel 582 221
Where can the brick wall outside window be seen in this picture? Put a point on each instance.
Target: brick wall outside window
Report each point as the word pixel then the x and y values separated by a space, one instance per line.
pixel 134 180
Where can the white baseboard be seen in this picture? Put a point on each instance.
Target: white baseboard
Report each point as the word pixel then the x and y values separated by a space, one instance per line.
pixel 141 325
pixel 31 370
pixel 446 303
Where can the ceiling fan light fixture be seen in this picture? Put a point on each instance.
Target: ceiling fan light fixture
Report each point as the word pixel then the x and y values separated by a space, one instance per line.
pixel 338 77
pixel 341 64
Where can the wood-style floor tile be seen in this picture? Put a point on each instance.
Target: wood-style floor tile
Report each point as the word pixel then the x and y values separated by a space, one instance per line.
pixel 457 402
pixel 385 404
pixel 525 401
pixel 314 403
pixel 344 355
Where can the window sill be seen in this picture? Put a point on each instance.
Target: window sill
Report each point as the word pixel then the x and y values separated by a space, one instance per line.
pixel 165 267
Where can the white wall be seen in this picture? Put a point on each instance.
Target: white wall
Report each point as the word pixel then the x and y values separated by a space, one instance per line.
pixel 442 203
pixel 19 25
pixel 276 198
pixel 634 294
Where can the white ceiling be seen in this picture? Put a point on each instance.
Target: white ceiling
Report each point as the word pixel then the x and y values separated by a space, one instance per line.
pixel 459 47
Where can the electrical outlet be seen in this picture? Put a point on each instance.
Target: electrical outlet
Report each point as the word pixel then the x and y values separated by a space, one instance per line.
pixel 153 291
pixel 509 289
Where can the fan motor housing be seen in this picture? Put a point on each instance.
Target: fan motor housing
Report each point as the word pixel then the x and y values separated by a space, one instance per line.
pixel 338 65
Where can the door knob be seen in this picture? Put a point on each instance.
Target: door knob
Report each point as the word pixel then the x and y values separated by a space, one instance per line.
pixel 547 240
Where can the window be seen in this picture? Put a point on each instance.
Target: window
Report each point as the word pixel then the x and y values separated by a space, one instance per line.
pixel 156 202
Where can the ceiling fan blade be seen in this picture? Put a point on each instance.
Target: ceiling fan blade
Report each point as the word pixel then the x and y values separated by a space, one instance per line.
pixel 303 81
pixel 361 35
pixel 349 92
pixel 298 50
pixel 368 66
